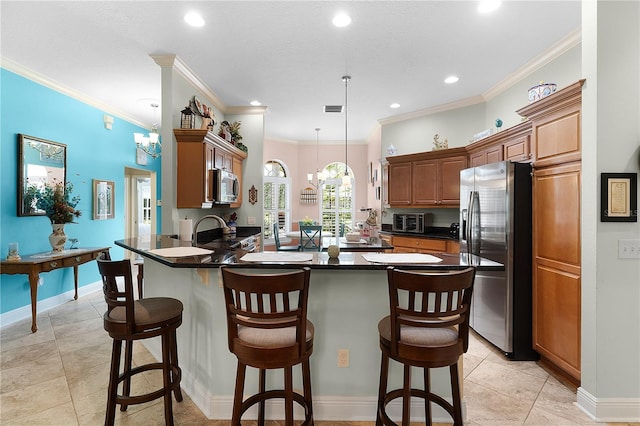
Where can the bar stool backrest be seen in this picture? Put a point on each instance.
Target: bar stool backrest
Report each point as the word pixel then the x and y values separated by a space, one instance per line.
pixel 428 301
pixel 114 272
pixel 268 304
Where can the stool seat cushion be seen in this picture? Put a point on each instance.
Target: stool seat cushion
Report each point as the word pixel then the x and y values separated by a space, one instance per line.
pixel 272 338
pixel 419 336
pixel 148 312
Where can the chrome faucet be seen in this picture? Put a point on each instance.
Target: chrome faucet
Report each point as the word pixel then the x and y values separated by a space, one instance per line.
pixel 223 225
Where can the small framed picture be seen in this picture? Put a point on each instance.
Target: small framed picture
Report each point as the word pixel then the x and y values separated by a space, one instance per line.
pixel 618 197
pixel 141 157
pixel 103 199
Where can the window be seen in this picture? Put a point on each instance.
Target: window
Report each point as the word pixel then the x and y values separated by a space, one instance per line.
pixel 277 197
pixel 337 201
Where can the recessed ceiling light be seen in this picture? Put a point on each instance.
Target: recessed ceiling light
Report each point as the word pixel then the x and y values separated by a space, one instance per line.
pixel 451 79
pixel 341 20
pixel 194 19
pixel 255 103
pixel 394 105
pixel 487 6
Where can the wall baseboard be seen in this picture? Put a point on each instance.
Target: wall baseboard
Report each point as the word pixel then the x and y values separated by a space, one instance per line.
pixel 44 305
pixel 616 410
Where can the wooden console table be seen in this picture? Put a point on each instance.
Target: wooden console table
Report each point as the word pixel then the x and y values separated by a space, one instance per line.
pixel 33 264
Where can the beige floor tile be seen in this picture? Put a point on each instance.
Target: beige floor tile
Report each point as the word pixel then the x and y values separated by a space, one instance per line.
pixel 21 355
pixel 61 415
pixel 489 407
pixel 74 329
pixel 34 399
pixel 19 334
pixel 502 379
pixel 38 370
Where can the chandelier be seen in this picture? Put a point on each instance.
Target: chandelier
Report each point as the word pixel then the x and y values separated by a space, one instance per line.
pixel 150 144
pixel 320 175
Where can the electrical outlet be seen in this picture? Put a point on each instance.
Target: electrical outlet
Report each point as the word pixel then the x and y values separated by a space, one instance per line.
pixel 251 220
pixel 628 249
pixel 343 358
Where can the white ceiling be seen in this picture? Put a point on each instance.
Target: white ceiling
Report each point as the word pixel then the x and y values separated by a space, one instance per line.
pixel 286 54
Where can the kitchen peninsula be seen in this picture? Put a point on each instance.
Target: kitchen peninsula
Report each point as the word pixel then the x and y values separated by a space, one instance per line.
pixel 347 298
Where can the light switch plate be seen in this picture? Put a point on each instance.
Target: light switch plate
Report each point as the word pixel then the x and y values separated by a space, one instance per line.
pixel 628 249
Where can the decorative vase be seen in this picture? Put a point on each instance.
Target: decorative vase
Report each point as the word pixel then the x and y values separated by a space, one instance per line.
pixel 333 251
pixel 57 239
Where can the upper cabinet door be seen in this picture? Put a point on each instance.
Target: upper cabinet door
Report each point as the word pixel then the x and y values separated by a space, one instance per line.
pixel 425 182
pixel 450 169
pixel 400 184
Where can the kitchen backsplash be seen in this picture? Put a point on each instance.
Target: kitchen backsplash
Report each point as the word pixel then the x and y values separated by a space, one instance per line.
pixel 441 217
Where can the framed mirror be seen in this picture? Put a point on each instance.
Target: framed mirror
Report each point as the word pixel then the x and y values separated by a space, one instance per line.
pixel 41 162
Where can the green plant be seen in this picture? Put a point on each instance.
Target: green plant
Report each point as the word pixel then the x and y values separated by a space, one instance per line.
pixel 56 202
pixel 234 128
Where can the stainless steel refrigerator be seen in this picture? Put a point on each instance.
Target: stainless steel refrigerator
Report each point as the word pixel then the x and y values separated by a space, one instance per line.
pixel 495 223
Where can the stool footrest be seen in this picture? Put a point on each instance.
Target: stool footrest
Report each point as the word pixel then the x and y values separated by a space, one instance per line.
pixel 276 393
pixel 418 393
pixel 176 374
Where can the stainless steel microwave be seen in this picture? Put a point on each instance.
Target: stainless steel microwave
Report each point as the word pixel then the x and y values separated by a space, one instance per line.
pixel 225 187
pixel 411 222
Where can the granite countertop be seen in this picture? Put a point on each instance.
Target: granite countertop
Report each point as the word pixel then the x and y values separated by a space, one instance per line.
pixel 211 257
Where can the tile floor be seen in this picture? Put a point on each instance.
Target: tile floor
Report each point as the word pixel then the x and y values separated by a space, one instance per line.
pixel 58 376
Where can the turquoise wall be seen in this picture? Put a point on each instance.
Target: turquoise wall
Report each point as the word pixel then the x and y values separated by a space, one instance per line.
pixel 93 152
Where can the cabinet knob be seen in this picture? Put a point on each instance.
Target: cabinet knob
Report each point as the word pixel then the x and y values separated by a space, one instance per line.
pixel 53 264
pixel 530 155
pixel 78 258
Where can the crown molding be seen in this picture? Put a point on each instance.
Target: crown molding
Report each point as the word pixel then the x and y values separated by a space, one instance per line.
pixel 573 39
pixel 43 80
pixel 174 61
pixel 432 110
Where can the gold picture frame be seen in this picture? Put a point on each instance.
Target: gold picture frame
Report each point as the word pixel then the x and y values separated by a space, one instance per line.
pixel 103 199
pixel 618 202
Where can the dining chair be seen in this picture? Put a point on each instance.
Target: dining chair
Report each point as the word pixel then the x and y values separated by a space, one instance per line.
pixel 276 237
pixel 310 237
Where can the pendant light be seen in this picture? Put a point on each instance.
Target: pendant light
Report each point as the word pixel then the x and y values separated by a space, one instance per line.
pixel 320 176
pixel 346 179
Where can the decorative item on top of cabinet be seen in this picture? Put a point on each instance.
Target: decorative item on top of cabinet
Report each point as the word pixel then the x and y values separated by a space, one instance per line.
pixel 438 144
pixel 187 118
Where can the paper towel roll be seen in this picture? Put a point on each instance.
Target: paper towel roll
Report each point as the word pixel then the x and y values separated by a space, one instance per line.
pixel 186 225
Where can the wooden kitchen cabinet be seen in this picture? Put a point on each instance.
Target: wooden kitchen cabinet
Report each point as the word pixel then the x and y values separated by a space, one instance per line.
pixel 556 141
pixel 513 144
pixel 408 244
pixel 223 160
pixel 199 152
pixel 400 184
pixel 429 179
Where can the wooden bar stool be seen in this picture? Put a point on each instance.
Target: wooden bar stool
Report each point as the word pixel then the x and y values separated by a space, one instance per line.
pixel 428 327
pixel 268 329
pixel 127 320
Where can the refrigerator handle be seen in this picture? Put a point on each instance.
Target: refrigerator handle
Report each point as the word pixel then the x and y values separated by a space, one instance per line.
pixel 469 225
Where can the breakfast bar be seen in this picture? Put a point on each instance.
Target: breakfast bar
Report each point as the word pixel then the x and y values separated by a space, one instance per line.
pixel 347 298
